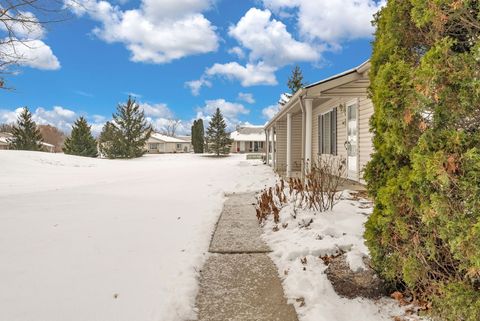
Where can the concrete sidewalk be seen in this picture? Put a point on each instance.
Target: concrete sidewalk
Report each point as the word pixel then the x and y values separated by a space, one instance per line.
pixel 239 282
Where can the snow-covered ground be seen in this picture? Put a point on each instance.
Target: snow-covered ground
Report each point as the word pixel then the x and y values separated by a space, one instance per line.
pixel 305 283
pixel 100 240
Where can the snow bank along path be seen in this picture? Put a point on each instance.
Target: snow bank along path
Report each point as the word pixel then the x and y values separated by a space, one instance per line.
pixel 100 240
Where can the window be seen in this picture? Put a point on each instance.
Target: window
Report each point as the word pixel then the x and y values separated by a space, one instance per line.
pixel 179 146
pixel 153 146
pixel 327 133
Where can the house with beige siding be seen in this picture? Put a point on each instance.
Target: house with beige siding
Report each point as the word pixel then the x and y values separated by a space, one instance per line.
pixel 159 144
pixel 324 119
pixel 248 139
pixel 6 138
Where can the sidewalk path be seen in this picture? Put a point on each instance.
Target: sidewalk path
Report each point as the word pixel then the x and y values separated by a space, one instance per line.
pixel 239 282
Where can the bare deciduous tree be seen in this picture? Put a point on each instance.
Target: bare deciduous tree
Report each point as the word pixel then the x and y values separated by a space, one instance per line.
pixel 22 23
pixel 52 135
pixel 170 129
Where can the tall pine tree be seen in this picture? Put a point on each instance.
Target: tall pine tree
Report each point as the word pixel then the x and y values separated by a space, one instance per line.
pixel 81 141
pixel 198 136
pixel 218 139
pixel 127 134
pixel 295 82
pixel 26 135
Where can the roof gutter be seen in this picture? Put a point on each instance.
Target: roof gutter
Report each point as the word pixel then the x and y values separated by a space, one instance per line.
pixel 286 107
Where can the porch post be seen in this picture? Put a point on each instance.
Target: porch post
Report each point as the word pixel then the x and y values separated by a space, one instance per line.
pixel 267 148
pixel 308 132
pixel 289 145
pixel 274 162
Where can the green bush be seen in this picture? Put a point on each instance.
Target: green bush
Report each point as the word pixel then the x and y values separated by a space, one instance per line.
pixel 424 233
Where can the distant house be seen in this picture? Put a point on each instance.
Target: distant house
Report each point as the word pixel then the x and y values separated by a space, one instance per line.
pixel 6 138
pixel 159 144
pixel 325 119
pixel 248 139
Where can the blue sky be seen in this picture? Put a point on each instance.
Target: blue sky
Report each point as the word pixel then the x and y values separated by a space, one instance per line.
pixel 183 58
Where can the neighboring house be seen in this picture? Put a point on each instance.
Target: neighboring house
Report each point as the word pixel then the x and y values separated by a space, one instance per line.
pixel 6 138
pixel 248 139
pixel 158 143
pixel 327 118
pixel 187 139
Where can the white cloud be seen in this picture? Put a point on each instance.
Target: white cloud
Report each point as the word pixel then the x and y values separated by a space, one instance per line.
pixel 270 47
pixel 156 32
pixel 58 116
pixel 9 116
pixel 183 128
pixel 270 111
pixel 156 110
pixel 196 85
pixel 246 97
pixel 34 54
pixel 237 51
pixel 230 111
pixel 83 93
pixel 331 21
pixel 29 28
pixel 23 45
pixel 268 40
pixel 248 75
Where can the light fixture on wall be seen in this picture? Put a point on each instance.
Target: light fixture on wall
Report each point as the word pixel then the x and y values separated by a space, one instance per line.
pixel 342 107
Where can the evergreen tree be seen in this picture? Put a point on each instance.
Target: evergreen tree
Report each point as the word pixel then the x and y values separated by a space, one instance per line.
pixel 198 138
pixel 424 233
pixel 108 143
pixel 127 134
pixel 26 135
pixel 81 141
pixel 218 139
pixel 295 82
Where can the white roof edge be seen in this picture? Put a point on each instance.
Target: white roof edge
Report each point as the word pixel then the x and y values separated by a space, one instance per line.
pixel 360 69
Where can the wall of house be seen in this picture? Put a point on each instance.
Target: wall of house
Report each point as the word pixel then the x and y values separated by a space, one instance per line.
pixel 296 143
pixel 341 125
pixel 365 111
pixel 244 147
pixel 365 136
pixel 169 148
pixel 281 146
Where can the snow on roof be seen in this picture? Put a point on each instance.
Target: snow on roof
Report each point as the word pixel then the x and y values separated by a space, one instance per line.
pixel 5 138
pixel 47 144
pixel 344 73
pixel 188 139
pixel 248 133
pixel 167 139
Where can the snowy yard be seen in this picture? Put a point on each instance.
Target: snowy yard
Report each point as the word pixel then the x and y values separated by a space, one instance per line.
pixel 300 242
pixel 93 239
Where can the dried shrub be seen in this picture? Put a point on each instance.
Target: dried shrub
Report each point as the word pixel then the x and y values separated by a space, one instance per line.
pixel 318 191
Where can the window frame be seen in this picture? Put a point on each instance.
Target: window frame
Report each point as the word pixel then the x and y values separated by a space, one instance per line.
pixel 333 115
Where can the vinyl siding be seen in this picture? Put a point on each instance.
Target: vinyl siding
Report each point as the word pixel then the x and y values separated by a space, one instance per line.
pixel 341 129
pixel 365 111
pixel 296 142
pixel 365 136
pixel 281 146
